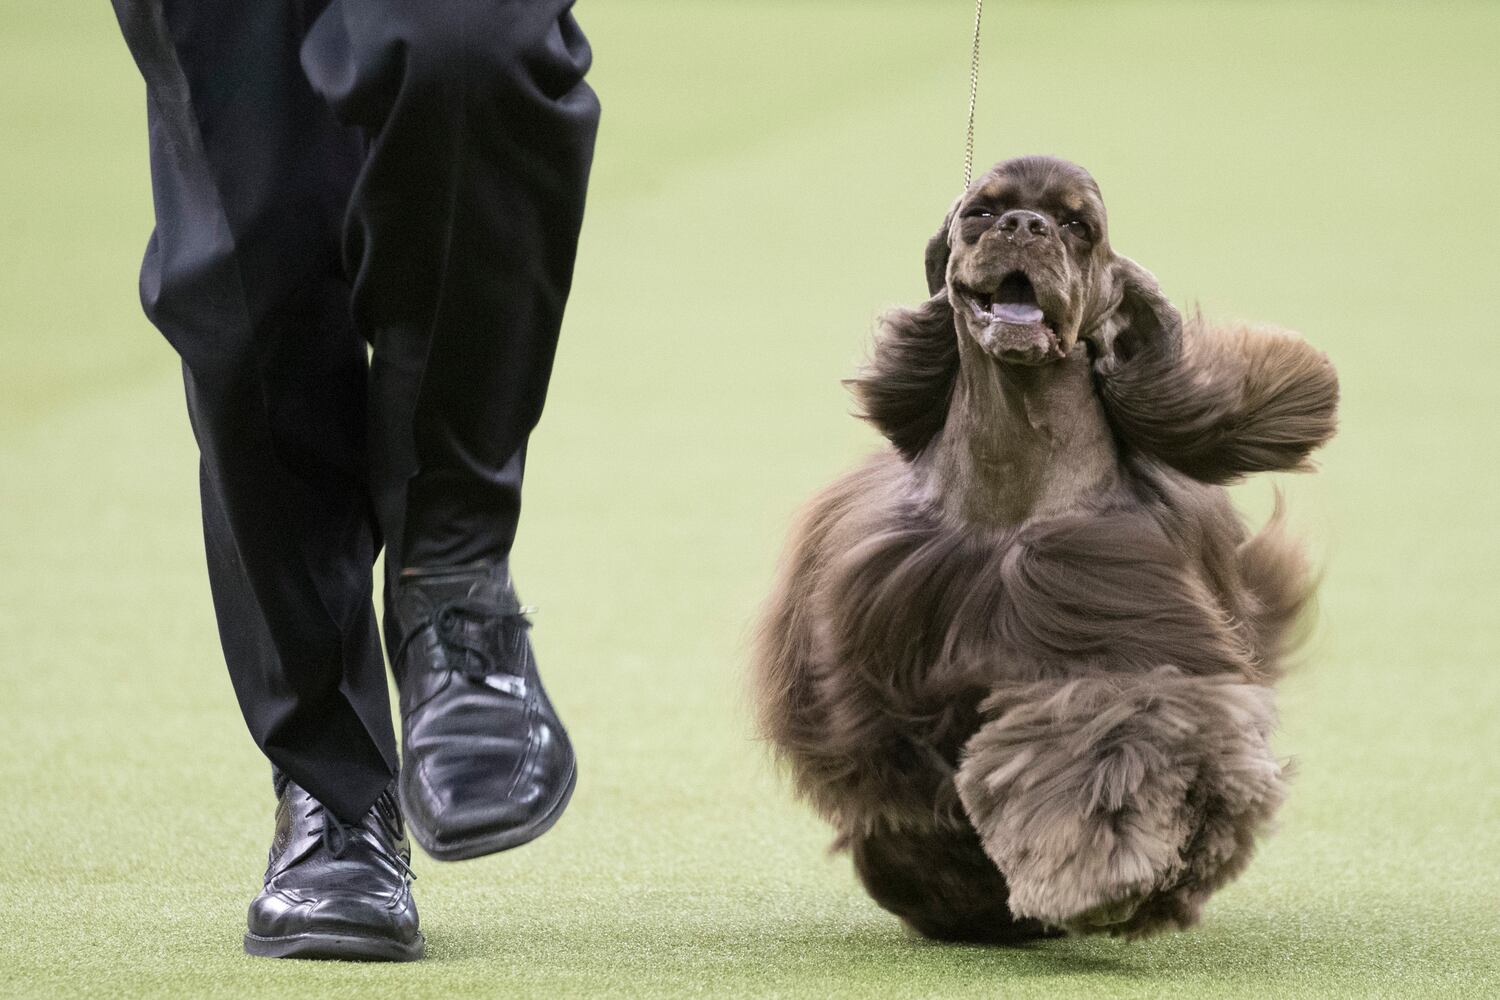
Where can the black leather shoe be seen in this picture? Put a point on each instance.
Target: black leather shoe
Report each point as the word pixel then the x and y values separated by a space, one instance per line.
pixel 486 764
pixel 336 891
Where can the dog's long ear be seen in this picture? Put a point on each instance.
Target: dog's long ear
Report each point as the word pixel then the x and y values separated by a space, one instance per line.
pixel 1213 402
pixel 938 252
pixel 1136 319
pixel 905 386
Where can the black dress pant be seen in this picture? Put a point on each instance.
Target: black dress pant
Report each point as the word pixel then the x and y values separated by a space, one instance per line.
pixel 366 219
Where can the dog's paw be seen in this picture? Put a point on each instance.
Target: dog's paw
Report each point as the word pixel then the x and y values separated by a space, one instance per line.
pixel 1091 882
pixel 1118 803
pixel 1079 791
pixel 1101 918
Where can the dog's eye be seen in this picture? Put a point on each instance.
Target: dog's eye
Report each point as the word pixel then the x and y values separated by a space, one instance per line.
pixel 979 213
pixel 1079 228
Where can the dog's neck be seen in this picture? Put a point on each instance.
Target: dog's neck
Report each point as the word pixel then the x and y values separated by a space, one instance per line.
pixel 1019 442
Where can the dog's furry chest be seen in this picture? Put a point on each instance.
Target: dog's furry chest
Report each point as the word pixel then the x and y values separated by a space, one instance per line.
pixel 928 608
pixel 910 627
pixel 896 622
pixel 924 615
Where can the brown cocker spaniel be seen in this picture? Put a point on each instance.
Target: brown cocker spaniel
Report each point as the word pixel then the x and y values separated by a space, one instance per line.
pixel 1022 660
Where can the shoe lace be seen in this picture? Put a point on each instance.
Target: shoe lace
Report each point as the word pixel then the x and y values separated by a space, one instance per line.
pixel 449 621
pixel 338 837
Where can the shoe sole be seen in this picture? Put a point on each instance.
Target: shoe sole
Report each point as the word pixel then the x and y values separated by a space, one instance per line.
pixel 335 947
pixel 485 843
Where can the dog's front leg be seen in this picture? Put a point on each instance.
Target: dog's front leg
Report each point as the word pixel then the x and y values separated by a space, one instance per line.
pixel 1116 803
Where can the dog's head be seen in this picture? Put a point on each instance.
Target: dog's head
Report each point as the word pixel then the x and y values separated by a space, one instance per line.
pixel 1024 256
pixel 1022 268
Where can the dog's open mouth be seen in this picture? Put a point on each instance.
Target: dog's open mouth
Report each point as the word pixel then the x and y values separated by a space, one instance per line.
pixel 1012 324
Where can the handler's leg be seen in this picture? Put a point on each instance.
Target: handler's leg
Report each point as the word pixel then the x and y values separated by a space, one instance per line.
pixel 462 233
pixel 250 175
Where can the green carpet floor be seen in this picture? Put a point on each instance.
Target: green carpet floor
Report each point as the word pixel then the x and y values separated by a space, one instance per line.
pixel 768 172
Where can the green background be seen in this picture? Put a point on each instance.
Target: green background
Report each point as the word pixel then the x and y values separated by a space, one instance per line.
pixel 767 175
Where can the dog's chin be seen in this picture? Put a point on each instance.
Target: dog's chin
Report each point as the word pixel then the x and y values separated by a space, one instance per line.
pixel 1018 343
pixel 1014 336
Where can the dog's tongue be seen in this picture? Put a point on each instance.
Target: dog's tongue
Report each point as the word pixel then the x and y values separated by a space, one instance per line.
pixel 1019 313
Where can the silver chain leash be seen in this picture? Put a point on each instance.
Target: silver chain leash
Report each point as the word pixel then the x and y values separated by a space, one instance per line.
pixel 973 96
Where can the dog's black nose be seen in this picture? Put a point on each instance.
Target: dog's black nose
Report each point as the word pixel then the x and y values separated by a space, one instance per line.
pixel 1023 227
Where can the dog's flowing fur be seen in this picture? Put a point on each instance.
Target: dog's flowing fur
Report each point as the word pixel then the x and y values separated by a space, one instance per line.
pixel 1022 660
